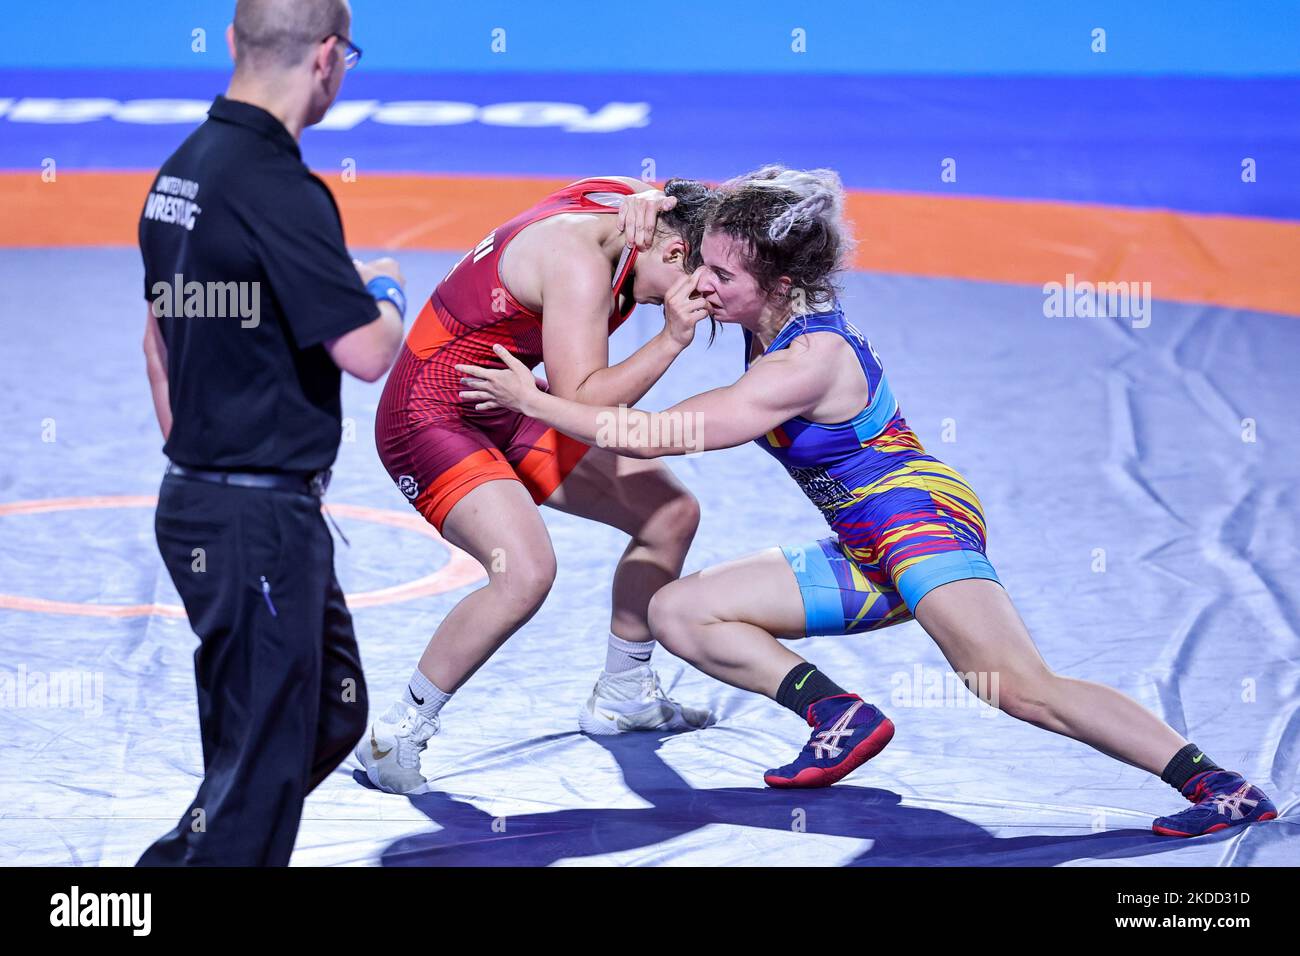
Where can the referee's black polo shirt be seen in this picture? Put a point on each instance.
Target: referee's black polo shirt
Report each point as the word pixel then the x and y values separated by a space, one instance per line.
pixel 264 280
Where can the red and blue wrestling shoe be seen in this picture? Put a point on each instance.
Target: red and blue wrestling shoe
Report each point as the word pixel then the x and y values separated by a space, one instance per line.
pixel 1221 799
pixel 847 732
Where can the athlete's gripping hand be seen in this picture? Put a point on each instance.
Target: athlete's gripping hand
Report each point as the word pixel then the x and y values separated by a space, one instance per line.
pixel 512 387
pixel 638 214
pixel 684 308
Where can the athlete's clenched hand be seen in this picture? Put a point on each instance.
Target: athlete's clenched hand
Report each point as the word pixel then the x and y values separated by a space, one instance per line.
pixel 684 307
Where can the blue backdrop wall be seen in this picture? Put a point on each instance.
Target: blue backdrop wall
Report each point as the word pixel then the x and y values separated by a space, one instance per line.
pixel 1212 37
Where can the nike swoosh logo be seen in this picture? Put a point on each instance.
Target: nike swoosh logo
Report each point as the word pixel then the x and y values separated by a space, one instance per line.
pixel 374 747
pixel 799 686
pixel 1197 758
pixel 418 700
pixel 641 659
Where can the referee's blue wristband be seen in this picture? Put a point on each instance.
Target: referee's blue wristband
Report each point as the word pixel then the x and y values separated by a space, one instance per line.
pixel 388 289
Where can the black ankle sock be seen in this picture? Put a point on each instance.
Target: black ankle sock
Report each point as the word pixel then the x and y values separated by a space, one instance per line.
pixel 803 687
pixel 1185 765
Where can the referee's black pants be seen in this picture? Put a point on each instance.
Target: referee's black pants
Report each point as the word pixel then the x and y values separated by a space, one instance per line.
pixel 281 696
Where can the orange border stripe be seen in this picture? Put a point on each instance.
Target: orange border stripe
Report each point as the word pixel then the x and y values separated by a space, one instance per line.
pixel 1187 257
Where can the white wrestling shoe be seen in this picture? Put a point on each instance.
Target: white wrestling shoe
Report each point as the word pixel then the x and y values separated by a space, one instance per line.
pixel 633 700
pixel 390 751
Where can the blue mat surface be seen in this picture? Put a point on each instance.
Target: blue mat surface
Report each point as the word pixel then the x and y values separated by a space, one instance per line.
pixel 1078 434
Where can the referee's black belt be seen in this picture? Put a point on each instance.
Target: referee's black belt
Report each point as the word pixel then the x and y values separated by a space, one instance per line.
pixel 307 484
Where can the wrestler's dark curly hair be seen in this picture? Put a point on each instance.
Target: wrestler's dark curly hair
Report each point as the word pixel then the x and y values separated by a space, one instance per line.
pixel 686 219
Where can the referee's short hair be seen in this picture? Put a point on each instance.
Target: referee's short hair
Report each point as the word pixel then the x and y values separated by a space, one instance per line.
pixel 278 34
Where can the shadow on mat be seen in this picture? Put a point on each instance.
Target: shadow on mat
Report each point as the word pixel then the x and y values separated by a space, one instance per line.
pixel 903 836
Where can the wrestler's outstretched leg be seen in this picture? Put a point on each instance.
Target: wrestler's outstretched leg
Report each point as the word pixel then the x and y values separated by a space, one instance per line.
pixel 978 629
pixel 725 621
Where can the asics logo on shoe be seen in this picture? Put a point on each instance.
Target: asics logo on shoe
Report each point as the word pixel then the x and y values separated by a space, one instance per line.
pixel 826 743
pixel 418 700
pixel 1230 804
pixel 374 747
pixel 799 686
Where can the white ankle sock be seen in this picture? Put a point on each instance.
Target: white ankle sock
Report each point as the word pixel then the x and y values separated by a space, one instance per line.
pixel 424 695
pixel 624 655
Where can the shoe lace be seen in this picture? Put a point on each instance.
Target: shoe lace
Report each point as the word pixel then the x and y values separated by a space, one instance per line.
pixel 653 689
pixel 408 747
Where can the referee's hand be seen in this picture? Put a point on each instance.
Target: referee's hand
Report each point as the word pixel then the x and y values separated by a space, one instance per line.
pixel 380 267
pixel 368 352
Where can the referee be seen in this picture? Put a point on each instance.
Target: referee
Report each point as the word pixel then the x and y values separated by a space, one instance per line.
pixel 255 306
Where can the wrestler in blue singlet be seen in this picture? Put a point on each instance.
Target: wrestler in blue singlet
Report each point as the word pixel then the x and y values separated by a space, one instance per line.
pixel 904 522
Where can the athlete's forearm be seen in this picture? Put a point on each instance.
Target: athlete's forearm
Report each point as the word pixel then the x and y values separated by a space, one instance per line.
pixel 622 430
pixel 735 414
pixel 627 382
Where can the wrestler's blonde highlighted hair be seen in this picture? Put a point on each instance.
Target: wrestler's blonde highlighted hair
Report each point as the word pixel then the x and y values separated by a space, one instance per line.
pixel 792 224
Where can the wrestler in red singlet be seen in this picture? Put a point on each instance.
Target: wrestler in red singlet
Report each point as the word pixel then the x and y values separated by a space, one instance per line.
pixel 466 470
pixel 435 448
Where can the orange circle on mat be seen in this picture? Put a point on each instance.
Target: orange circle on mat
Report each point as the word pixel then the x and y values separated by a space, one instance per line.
pixel 459 571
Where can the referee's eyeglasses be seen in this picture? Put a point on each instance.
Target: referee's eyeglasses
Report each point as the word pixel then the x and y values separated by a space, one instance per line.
pixel 351 52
